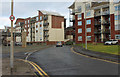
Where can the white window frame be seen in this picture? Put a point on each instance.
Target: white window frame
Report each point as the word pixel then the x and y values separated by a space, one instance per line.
pixel 88 29
pixel 80 38
pixel 80 30
pixel 80 24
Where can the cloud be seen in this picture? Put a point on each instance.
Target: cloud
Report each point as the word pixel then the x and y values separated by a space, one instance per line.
pixel 29 9
pixel 4 21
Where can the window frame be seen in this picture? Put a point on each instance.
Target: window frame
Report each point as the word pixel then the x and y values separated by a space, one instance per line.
pixel 80 23
pixel 90 38
pixel 87 22
pixel 80 38
pixel 80 30
pixel 88 30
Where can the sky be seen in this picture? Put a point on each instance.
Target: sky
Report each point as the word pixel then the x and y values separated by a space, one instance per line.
pixel 24 9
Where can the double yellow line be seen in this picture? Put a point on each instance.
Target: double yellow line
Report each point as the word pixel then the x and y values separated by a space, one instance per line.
pixel 93 57
pixel 37 68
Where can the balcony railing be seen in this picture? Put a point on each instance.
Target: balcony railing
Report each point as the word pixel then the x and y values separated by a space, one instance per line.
pixel 97 31
pixel 45 18
pixel 97 14
pixel 106 22
pixel 72 12
pixel 46 23
pixel 46 29
pixel 72 19
pixel 46 35
pixel 105 30
pixel 106 13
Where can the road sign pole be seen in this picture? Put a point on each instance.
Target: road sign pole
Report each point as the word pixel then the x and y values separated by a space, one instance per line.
pixel 11 48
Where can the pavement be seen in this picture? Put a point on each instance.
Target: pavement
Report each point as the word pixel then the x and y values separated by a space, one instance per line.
pixel 100 55
pixel 21 68
pixel 61 61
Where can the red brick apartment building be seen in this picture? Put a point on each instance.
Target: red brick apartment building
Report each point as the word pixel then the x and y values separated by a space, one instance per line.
pixel 102 21
pixel 45 27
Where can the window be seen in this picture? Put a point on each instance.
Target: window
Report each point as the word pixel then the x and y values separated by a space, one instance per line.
pixel 88 13
pixel 40 27
pixel 79 30
pixel 79 15
pixel 28 25
pixel 40 33
pixel 36 23
pixel 40 17
pixel 117 36
pixel 37 18
pixel 25 22
pixel 79 9
pixel 87 6
pixel 117 8
pixel 36 28
pixel 88 38
pixel 40 38
pixel 88 29
pixel 40 23
pixel 117 27
pixel 88 22
pixel 79 23
pixel 28 21
pixel 117 17
pixel 79 38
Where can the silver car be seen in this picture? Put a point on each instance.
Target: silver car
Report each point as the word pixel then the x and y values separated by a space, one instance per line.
pixel 59 44
pixel 111 42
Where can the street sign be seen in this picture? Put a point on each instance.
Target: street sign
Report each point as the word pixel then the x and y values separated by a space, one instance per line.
pixel 12 18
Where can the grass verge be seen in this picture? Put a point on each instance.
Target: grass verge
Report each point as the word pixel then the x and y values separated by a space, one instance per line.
pixel 100 47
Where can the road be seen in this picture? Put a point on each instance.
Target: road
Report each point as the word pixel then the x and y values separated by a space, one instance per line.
pixel 62 61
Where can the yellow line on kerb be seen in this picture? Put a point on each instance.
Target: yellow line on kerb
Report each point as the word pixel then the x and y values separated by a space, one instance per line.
pixel 41 69
pixel 92 57
pixel 37 68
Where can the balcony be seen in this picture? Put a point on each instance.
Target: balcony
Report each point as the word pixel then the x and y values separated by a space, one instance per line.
pixel 97 23
pixel 106 31
pixel 46 17
pixel 32 21
pixel 97 14
pixel 46 29
pixel 46 35
pixel 107 23
pixel 72 12
pixel 72 19
pixel 106 13
pixel 46 23
pixel 97 32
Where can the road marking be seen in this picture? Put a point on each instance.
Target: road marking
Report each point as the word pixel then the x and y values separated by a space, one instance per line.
pixel 92 57
pixel 28 55
pixel 41 70
pixel 37 68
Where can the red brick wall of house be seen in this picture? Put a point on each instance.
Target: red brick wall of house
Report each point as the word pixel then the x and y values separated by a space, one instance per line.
pixel 57 21
pixel 112 23
pixel 83 29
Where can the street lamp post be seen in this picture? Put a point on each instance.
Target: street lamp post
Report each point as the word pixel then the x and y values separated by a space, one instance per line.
pixel 85 29
pixel 11 49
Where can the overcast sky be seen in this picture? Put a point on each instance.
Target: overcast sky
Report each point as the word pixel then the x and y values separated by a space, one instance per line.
pixel 28 9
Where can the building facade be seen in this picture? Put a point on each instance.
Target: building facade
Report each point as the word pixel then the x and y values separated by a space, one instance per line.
pixel 45 27
pixel 99 20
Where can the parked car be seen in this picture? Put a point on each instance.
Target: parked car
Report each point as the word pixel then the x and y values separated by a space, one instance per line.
pixel 111 42
pixel 59 44
pixel 18 43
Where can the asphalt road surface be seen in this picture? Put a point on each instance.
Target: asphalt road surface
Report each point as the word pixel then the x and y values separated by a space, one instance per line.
pixel 62 61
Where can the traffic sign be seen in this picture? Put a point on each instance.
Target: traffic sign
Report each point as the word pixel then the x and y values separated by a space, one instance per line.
pixel 12 18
